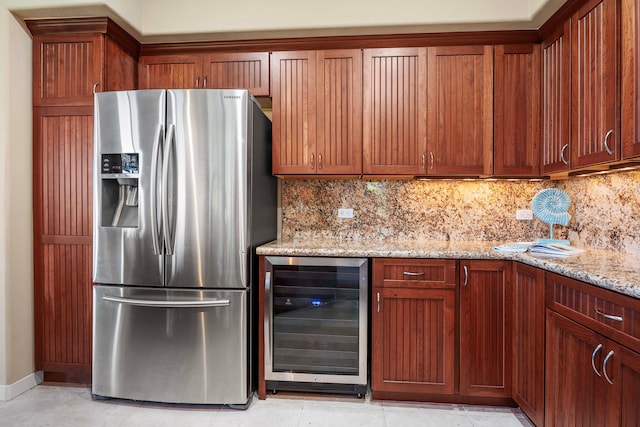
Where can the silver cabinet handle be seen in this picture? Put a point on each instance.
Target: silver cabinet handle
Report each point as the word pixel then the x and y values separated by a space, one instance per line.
pixel 168 304
pixel 409 273
pixel 155 158
pixel 466 275
pixel 319 161
pixel 165 190
pixel 604 367
pixel 606 142
pixel 95 86
pixel 609 316
pixel 431 160
pixel 564 160
pixel 197 82
pixel 424 160
pixel 312 163
pixel 378 300
pixel 204 82
pixel 593 359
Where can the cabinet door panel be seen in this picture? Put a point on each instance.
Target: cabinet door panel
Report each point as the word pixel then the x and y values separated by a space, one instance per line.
pixel 394 111
pixel 528 341
pixel 485 328
pixel 517 110
pixel 63 150
pixel 630 78
pixel 238 71
pixel 575 394
pixel 628 379
pixel 460 124
pixel 595 135
pixel 66 67
pixel 556 101
pixel 413 341
pixel 339 120
pixel 171 72
pixel 294 112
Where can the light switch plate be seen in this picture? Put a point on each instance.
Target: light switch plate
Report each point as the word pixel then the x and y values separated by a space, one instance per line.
pixel 345 213
pixel 524 214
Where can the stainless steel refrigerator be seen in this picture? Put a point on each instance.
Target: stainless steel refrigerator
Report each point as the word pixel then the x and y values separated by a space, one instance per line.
pixel 182 196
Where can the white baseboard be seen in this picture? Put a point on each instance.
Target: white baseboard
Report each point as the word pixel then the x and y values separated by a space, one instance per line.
pixel 8 392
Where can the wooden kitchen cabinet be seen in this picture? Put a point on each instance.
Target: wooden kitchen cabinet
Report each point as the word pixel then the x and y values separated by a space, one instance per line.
pixel 556 101
pixel 595 101
pixel 592 359
pixel 317 112
pixel 630 58
pixel 413 328
pixel 71 58
pixel 516 119
pixel 528 320
pixel 237 70
pixel 460 110
pixel 485 328
pixel 395 111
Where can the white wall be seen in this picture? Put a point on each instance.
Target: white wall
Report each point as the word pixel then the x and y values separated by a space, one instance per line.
pixel 16 278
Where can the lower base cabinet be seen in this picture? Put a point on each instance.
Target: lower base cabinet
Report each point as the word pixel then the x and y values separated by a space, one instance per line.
pixel 590 380
pixel 413 328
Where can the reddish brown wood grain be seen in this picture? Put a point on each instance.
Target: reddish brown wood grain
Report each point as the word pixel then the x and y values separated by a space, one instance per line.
pixel 516 119
pixel 630 57
pixel 170 72
pixel 595 100
pixel 294 112
pixel 339 112
pixel 245 70
pixel 121 67
pixel 394 111
pixel 460 113
pixel 485 328
pixel 528 340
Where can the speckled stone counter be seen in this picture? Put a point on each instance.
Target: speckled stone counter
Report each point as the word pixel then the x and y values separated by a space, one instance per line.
pixel 616 271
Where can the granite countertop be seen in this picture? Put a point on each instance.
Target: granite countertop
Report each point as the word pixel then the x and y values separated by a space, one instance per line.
pixel 616 271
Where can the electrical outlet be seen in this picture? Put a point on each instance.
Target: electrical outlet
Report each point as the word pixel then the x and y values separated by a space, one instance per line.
pixel 345 213
pixel 524 214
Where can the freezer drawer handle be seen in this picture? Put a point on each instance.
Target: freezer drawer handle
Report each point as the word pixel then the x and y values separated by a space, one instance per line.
pixel 168 304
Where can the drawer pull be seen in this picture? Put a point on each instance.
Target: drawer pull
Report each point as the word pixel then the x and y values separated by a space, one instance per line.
pixel 466 275
pixel 604 367
pixel 593 360
pixel 378 298
pixel 609 316
pixel 409 273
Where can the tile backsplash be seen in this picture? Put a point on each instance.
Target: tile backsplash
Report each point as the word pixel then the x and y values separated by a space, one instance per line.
pixel 605 210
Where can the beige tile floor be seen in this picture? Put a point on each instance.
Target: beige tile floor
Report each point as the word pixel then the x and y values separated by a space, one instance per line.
pixel 48 405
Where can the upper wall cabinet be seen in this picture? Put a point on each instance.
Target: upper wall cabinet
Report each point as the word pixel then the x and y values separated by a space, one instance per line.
pixel 70 67
pixel 556 101
pixel 516 116
pixel 630 78
pixel 317 112
pixel 395 111
pixel 246 70
pixel 460 110
pixel 595 107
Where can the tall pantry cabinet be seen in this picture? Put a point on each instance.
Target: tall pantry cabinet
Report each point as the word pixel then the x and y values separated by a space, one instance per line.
pixel 72 59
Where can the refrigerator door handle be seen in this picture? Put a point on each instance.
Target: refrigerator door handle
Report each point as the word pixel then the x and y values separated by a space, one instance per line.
pixel 168 304
pixel 155 158
pixel 168 238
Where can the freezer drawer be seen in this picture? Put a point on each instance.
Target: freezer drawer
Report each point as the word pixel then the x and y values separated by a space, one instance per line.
pixel 171 345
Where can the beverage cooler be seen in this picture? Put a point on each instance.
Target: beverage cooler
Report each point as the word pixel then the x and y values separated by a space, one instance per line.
pixel 316 324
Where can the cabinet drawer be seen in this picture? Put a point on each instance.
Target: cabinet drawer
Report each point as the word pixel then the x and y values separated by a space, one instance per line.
pixel 414 273
pixel 613 315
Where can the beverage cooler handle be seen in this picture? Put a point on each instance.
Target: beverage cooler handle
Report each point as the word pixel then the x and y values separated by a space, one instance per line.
pixel 168 304
pixel 168 239
pixel 155 158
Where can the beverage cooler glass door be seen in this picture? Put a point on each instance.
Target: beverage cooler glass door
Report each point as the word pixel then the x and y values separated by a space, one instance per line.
pixel 316 320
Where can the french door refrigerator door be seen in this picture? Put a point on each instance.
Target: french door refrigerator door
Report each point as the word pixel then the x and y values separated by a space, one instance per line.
pixel 176 346
pixel 205 162
pixel 128 135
